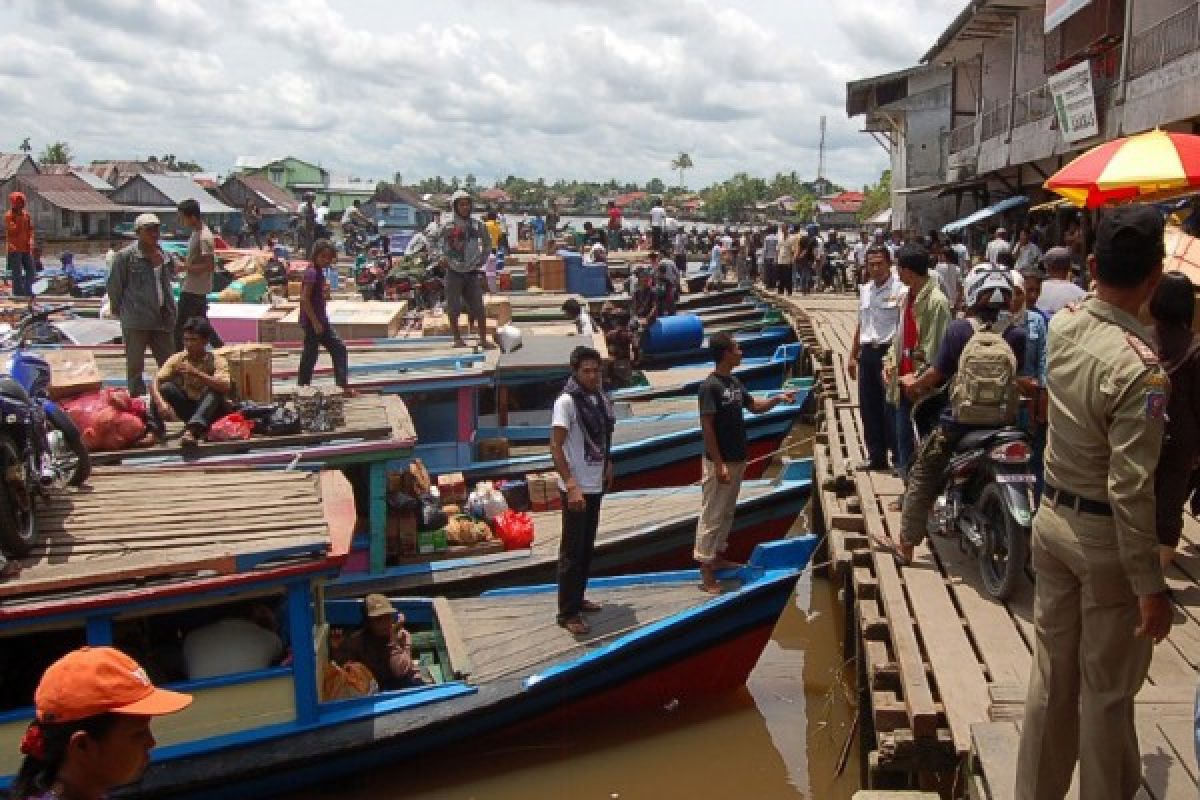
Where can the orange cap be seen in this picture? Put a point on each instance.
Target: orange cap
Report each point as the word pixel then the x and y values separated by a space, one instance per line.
pixel 98 680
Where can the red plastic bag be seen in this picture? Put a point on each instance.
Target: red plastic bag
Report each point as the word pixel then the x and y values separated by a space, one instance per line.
pixel 231 428
pixel 515 529
pixel 108 419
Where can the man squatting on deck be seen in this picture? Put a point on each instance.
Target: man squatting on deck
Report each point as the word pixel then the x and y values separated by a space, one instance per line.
pixel 722 398
pixel 581 444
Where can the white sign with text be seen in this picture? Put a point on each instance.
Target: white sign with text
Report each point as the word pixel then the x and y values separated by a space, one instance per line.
pixel 1075 102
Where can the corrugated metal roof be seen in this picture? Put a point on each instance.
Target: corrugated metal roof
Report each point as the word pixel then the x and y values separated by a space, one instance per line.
pixel 268 193
pixel 93 180
pixel 179 189
pixel 10 163
pixel 68 192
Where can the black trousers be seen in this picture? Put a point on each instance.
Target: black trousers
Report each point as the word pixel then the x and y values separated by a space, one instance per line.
pixel 198 415
pixel 878 418
pixel 337 352
pixel 192 305
pixel 575 554
pixel 784 277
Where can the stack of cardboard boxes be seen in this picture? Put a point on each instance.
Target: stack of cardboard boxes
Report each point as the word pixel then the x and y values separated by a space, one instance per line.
pixel 548 273
pixel 250 371
pixel 543 491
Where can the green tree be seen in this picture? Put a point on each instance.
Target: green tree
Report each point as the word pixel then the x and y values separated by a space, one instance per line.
pixel 878 197
pixel 656 186
pixel 57 153
pixel 25 145
pixel 681 162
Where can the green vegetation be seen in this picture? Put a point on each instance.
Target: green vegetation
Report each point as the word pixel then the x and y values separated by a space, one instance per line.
pixel 878 197
pixel 57 153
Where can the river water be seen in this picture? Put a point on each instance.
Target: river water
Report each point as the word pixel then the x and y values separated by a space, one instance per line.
pixel 782 736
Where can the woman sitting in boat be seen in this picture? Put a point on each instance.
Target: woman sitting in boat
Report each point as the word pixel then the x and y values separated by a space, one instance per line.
pixel 92 729
pixel 383 646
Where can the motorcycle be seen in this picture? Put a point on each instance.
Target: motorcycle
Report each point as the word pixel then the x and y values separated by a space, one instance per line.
pixel 371 280
pixel 40 447
pixel 987 497
pixel 357 238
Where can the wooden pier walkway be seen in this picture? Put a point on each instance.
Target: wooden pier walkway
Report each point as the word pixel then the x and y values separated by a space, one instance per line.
pixel 944 667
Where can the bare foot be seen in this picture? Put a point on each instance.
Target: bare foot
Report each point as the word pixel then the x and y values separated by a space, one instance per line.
pixel 576 626
pixel 188 439
pixel 149 440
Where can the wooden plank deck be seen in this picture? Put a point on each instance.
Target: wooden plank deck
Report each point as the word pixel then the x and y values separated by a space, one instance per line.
pixel 932 641
pixel 130 526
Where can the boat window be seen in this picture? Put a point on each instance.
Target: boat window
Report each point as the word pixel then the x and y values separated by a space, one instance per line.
pixel 353 664
pixel 239 635
pixel 24 658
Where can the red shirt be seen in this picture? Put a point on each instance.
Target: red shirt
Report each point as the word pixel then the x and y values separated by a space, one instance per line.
pixel 908 336
pixel 18 230
pixel 614 218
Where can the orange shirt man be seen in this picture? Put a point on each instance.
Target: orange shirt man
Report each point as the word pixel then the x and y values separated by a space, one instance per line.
pixel 18 232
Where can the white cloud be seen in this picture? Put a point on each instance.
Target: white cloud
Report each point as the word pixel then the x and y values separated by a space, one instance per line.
pixel 540 89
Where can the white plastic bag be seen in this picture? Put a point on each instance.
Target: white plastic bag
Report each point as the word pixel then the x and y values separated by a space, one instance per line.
pixel 508 337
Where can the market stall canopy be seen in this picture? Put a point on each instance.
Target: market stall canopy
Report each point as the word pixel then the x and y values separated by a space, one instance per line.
pixel 1146 166
pixel 985 213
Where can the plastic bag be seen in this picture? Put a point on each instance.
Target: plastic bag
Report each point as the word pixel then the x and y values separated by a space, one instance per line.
pixel 108 419
pixel 432 517
pixel 515 529
pixel 508 337
pixel 231 428
pixel 486 502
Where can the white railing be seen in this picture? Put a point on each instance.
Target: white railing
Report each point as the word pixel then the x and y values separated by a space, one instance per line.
pixel 962 137
pixel 1033 105
pixel 995 122
pixel 1175 36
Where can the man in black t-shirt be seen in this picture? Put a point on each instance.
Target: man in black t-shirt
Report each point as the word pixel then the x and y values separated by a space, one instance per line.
pixel 722 398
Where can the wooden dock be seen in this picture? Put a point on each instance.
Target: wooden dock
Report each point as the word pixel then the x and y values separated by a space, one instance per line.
pixel 943 668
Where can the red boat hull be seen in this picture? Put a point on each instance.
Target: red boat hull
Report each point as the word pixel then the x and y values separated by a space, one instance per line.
pixel 689 471
pixel 740 545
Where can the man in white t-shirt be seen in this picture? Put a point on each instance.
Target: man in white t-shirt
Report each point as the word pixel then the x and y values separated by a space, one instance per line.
pixel 1057 290
pixel 241 643
pixel 997 246
pixel 658 225
pixel 580 443
pixel 949 276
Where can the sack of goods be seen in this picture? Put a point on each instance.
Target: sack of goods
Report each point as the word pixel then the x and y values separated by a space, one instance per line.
pixel 108 419
pixel 984 390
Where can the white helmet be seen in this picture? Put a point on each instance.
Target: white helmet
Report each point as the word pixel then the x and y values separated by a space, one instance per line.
pixel 989 286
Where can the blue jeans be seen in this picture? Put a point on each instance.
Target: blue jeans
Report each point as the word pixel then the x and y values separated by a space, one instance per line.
pixel 20 269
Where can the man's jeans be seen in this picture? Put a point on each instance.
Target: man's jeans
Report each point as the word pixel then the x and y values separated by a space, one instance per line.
pixel 136 342
pixel 575 554
pixel 198 415
pixel 20 269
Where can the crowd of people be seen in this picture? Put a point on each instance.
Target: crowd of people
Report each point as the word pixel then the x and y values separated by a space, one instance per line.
pixel 1112 412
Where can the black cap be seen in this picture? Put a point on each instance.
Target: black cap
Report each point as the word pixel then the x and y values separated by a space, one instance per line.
pixel 1132 230
pixel 913 257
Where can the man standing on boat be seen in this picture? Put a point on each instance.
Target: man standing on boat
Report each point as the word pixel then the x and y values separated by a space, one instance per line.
pixel 464 243
pixel 198 271
pixel 722 398
pixel 580 442
pixel 139 294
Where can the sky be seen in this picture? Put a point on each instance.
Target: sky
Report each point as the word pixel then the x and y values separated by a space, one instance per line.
pixel 552 88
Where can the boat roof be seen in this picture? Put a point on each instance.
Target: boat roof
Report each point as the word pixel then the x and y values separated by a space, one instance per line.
pixel 136 534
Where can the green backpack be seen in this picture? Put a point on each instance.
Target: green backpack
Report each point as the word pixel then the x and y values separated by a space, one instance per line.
pixel 984 390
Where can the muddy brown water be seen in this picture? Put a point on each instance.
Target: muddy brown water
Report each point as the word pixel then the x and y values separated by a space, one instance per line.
pixel 782 736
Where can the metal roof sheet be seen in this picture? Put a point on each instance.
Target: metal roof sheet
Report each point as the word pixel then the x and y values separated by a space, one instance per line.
pixel 179 189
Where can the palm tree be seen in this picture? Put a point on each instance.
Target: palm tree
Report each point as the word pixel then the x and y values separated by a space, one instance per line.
pixel 681 162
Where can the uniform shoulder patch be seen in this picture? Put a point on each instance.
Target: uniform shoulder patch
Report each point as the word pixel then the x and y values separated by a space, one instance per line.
pixel 1143 350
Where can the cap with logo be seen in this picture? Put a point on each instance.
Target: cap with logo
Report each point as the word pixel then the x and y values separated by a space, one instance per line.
pixel 379 606
pixel 99 680
pixel 146 221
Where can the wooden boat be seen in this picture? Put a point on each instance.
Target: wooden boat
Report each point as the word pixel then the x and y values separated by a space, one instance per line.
pixel 759 341
pixel 640 530
pixel 495 661
pixel 759 373
pixel 648 452
pixel 717 297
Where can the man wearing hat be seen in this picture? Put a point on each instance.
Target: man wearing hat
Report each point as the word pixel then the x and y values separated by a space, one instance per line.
pixel 1101 601
pixel 139 293
pixel 1058 291
pixel 383 646
pixel 19 241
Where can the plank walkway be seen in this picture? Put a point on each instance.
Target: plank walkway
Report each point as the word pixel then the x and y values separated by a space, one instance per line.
pixel 946 666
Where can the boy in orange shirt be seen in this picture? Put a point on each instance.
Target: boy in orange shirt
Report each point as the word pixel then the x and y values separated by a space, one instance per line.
pixel 18 231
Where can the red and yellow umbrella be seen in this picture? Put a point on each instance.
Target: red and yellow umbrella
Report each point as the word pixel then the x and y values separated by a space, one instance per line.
pixel 1146 166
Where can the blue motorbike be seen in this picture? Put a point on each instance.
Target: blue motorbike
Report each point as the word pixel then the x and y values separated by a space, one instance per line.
pixel 40 448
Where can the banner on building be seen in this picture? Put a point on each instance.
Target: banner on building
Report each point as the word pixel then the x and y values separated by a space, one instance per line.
pixel 1059 10
pixel 1075 102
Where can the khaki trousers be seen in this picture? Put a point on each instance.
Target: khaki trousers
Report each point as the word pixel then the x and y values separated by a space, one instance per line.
pixel 1087 664
pixel 718 505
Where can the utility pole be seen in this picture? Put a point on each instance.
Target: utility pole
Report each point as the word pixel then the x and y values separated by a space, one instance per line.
pixel 821 153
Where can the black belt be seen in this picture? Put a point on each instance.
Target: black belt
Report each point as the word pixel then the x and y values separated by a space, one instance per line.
pixel 876 346
pixel 1059 497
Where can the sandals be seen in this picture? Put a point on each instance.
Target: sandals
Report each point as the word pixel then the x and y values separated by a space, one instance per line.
pixel 575 626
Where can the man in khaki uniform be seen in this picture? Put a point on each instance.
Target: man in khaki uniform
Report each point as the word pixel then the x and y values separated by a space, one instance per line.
pixel 1101 599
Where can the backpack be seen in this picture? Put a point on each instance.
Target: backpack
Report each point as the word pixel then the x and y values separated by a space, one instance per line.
pixel 984 390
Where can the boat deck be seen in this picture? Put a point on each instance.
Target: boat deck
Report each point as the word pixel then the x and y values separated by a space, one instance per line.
pixel 131 527
pixel 628 431
pixel 486 625
pixel 374 424
pixel 945 666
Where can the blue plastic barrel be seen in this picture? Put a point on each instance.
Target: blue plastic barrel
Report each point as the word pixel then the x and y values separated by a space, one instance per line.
pixel 673 334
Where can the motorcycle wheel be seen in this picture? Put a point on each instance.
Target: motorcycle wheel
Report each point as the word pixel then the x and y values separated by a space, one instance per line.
pixel 81 470
pixel 17 527
pixel 1005 546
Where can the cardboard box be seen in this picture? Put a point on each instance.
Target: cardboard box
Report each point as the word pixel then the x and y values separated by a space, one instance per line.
pixel 293 289
pixel 452 488
pixel 497 308
pixel 352 320
pixel 553 275
pixel 72 372
pixel 250 371
pixel 492 449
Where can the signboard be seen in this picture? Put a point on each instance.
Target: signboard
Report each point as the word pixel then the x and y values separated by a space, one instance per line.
pixel 1074 102
pixel 1059 10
